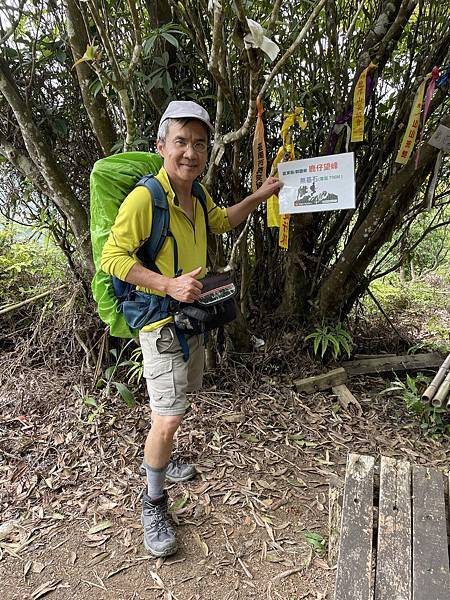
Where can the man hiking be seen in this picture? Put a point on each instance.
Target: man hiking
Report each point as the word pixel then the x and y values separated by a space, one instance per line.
pixel 183 139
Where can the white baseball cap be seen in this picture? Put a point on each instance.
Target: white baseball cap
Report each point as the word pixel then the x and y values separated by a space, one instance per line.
pixel 186 109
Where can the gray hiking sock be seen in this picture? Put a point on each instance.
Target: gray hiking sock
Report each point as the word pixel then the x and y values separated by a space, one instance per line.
pixel 155 481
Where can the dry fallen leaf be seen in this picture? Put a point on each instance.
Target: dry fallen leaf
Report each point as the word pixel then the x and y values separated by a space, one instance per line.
pixel 157 579
pixel 6 529
pixel 45 588
pixel 97 558
pixel 37 567
pixel 202 544
pixel 27 568
pixel 234 418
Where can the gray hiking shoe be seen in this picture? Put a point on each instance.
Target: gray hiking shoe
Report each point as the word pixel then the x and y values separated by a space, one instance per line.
pixel 159 535
pixel 176 471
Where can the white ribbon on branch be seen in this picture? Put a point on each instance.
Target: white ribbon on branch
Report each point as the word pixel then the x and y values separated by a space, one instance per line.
pixel 257 39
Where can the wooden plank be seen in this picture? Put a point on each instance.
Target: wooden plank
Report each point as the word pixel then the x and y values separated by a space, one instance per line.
pixel 334 520
pixel 382 355
pixel 393 571
pixel 353 578
pixel 321 382
pixel 346 397
pixel 430 565
pixel 413 362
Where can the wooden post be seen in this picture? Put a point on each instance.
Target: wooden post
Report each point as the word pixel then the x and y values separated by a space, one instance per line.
pixel 439 378
pixel 414 362
pixel 442 392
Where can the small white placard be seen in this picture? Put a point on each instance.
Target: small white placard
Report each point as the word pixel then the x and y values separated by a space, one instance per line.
pixel 441 138
pixel 317 184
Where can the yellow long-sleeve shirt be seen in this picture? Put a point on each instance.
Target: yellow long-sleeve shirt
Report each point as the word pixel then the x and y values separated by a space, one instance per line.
pixel 133 225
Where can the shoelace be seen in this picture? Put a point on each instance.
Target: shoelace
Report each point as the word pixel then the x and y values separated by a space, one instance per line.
pixel 158 517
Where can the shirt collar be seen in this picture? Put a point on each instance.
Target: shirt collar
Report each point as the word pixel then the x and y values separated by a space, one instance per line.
pixel 164 180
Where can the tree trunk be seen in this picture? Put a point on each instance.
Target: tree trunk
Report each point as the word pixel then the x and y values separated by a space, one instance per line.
pixel 297 283
pixel 59 189
pixel 95 105
pixel 347 273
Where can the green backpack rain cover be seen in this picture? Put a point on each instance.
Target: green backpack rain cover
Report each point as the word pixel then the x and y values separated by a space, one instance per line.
pixel 112 179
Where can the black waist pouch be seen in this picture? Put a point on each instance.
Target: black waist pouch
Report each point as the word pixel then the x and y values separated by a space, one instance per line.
pixel 215 307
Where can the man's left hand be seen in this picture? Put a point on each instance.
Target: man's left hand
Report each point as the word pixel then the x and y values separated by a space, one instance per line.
pixel 240 211
pixel 271 186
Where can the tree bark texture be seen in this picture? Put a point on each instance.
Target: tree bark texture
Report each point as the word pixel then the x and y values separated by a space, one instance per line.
pixel 391 204
pixel 95 105
pixel 59 190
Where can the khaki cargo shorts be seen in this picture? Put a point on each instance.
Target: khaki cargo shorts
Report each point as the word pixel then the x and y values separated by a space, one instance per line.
pixel 169 377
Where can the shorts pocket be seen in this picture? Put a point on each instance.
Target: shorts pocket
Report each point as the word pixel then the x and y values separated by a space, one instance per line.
pixel 166 341
pixel 160 380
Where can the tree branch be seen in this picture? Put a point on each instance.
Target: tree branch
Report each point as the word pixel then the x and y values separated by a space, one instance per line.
pixel 137 39
pixel 23 164
pixel 9 32
pixel 40 153
pixel 290 51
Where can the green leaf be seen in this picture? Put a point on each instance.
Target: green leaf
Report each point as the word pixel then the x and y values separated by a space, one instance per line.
pixel 324 341
pixel 109 371
pixel 179 503
pixel 100 527
pixel 316 540
pixel 95 87
pixel 126 394
pixel 347 347
pixel 90 401
pixel 88 55
pixel 336 347
pixel 170 38
pixel 316 344
pixel 148 44
pixel 125 363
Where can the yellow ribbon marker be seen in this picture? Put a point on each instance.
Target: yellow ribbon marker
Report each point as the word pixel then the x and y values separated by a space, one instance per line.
pixel 273 207
pixel 286 152
pixel 409 137
pixel 359 105
pixel 283 235
pixel 259 174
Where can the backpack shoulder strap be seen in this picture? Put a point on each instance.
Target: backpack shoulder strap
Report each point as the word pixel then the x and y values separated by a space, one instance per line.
pixel 199 193
pixel 150 249
pixel 148 252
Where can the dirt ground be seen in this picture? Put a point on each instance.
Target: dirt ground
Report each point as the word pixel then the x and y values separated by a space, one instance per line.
pixel 266 457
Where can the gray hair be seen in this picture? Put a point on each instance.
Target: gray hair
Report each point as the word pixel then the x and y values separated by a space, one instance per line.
pixel 164 127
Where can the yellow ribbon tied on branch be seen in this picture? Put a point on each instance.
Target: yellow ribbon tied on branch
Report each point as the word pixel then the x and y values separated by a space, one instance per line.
pixel 359 105
pixel 259 174
pixel 409 137
pixel 285 152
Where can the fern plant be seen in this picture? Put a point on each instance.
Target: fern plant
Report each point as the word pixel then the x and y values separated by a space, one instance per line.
pixel 334 338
